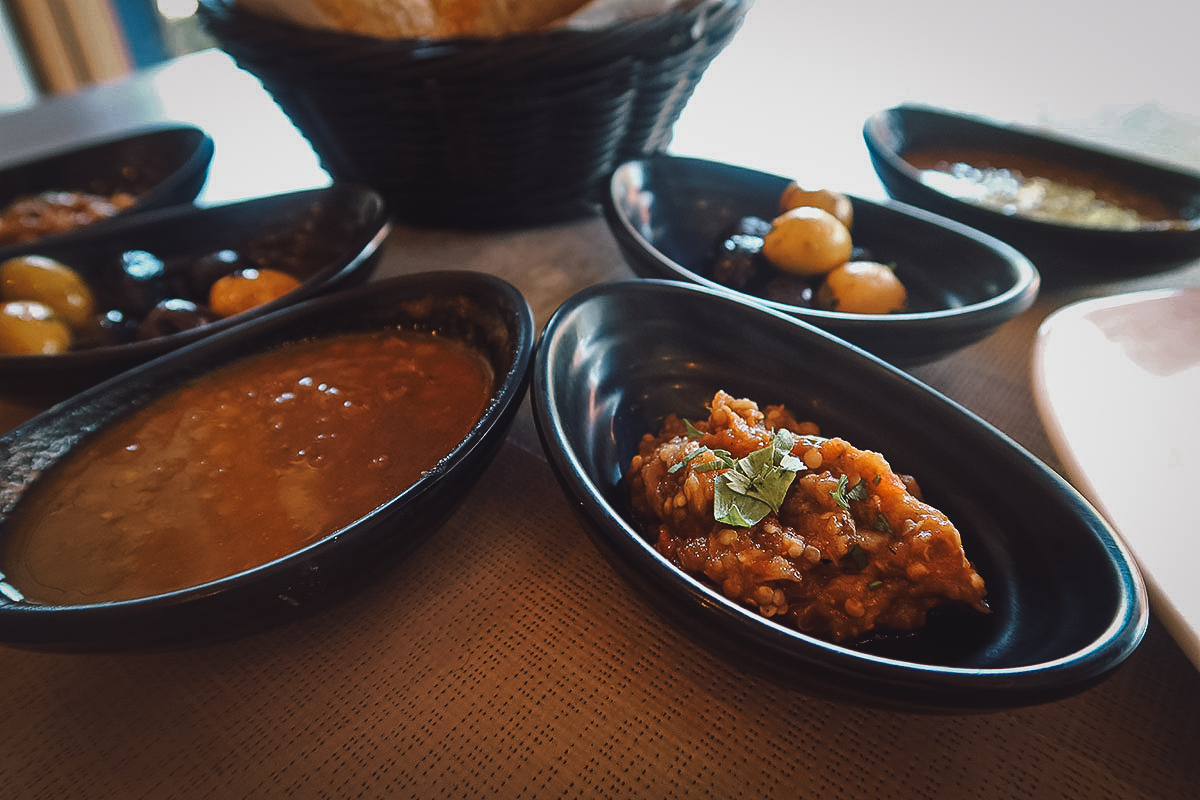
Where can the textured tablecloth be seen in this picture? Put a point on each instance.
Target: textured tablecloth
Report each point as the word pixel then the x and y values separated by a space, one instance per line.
pixel 506 658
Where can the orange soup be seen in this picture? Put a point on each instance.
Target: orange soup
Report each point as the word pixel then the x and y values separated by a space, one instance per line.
pixel 244 465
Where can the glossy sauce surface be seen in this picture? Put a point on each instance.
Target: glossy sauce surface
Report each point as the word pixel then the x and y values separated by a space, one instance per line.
pixel 244 465
pixel 1039 189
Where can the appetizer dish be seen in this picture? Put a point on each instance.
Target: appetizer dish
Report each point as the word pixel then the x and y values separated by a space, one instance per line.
pixel 953 595
pixel 808 531
pixel 79 310
pixel 30 217
pixel 125 513
pixel 905 285
pixel 60 194
pixel 1079 211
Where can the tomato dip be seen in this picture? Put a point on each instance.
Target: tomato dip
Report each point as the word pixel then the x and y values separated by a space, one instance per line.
pixel 851 551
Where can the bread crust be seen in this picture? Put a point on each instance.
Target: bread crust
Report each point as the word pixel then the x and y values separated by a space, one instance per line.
pixel 391 19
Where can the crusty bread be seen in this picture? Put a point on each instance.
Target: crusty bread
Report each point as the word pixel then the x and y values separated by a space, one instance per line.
pixel 443 18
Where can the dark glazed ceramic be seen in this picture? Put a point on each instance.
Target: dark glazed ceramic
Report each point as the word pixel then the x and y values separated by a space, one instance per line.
pixel 1064 254
pixel 486 312
pixel 160 166
pixel 1068 605
pixel 669 214
pixel 354 223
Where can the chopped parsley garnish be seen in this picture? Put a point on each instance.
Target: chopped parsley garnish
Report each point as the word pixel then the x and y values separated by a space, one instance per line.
pixel 749 488
pixel 838 493
pixel 859 556
pixel 757 484
pixel 842 496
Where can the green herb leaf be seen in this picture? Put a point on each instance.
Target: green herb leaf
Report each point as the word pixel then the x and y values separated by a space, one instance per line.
pixel 838 493
pixel 859 556
pixel 692 431
pixel 858 492
pixel 756 485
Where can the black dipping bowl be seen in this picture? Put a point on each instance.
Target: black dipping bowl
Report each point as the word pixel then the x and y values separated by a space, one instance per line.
pixel 1068 604
pixel 1063 253
pixel 483 311
pixel 669 215
pixel 343 226
pixel 160 167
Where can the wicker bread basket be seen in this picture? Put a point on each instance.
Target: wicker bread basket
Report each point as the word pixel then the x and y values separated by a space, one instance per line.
pixel 482 133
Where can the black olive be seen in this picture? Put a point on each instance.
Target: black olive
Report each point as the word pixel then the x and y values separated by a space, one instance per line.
pixel 135 283
pixel 173 316
pixel 105 330
pixel 793 290
pixel 752 226
pixel 206 270
pixel 738 260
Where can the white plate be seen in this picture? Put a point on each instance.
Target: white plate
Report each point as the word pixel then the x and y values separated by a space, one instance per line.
pixel 1117 385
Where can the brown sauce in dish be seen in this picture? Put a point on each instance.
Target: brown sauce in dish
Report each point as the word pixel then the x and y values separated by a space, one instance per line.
pixel 1032 187
pixel 33 216
pixel 851 551
pixel 244 465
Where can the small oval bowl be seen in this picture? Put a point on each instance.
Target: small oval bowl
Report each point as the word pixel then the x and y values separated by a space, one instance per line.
pixel 486 312
pixel 1063 253
pixel 357 223
pixel 1068 604
pixel 669 214
pixel 160 167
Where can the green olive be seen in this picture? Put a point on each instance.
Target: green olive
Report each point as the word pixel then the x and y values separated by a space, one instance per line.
pixel 28 327
pixel 862 287
pixel 807 241
pixel 51 282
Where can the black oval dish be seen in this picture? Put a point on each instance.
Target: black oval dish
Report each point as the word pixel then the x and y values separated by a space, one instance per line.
pixel 483 311
pixel 1068 604
pixel 1063 253
pixel 669 214
pixel 161 167
pixel 352 221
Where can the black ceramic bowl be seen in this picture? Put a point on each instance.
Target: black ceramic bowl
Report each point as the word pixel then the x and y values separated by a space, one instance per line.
pixel 1068 604
pixel 669 215
pixel 487 313
pixel 1063 253
pixel 328 238
pixel 160 167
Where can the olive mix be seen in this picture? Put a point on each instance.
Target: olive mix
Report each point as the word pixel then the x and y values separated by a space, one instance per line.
pixel 805 256
pixel 49 307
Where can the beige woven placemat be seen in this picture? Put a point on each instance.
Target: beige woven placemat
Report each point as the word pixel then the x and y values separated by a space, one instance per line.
pixel 505 658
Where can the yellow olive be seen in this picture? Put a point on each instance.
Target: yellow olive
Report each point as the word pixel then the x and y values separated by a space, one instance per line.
pixel 28 327
pixel 862 287
pixel 248 289
pixel 807 241
pixel 48 281
pixel 836 203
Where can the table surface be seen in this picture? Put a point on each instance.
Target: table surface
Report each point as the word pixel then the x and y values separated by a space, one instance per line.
pixel 505 656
